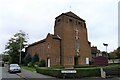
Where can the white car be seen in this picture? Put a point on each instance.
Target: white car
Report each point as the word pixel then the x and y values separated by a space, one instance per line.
pixel 14 68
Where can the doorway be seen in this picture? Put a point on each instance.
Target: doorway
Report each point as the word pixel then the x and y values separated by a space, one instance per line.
pixel 75 60
pixel 48 62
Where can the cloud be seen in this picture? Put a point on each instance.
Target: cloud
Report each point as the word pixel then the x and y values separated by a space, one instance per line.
pixel 36 18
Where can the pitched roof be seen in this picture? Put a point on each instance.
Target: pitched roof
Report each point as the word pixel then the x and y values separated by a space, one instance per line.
pixel 71 14
pixel 54 36
pixel 41 41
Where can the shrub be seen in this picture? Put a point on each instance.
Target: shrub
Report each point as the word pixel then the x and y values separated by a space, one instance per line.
pixel 27 59
pixel 88 72
pixel 87 66
pixel 83 72
pixel 36 64
pixel 35 58
pixel 48 71
pixel 58 66
pixel 30 64
pixel 42 63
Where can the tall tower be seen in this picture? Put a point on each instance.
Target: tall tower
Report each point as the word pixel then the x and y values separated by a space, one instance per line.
pixel 75 47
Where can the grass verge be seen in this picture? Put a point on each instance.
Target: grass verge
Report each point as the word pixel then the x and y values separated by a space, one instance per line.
pixel 28 68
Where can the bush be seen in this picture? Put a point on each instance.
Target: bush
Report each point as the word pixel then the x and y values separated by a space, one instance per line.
pixel 88 72
pixel 87 66
pixel 48 71
pixel 27 59
pixel 42 63
pixel 30 64
pixel 84 72
pixel 36 64
pixel 58 66
pixel 35 58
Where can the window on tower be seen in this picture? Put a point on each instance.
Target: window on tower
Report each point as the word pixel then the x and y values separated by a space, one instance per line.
pixel 70 20
pixel 58 20
pixel 77 44
pixel 49 45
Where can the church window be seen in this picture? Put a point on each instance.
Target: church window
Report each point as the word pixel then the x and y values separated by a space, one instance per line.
pixel 58 60
pixel 77 44
pixel 49 45
pixel 76 22
pixel 59 20
pixel 70 20
pixel 69 59
pixel 42 49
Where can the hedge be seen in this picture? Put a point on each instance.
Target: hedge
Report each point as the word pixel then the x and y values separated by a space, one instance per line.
pixel 48 71
pixel 81 72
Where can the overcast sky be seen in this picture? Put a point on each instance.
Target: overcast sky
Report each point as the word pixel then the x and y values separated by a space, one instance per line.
pixel 36 18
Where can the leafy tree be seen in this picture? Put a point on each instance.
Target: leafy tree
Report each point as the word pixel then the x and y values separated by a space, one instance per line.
pixel 112 56
pixel 27 59
pixel 104 53
pixel 118 52
pixel 35 58
pixel 5 58
pixel 15 45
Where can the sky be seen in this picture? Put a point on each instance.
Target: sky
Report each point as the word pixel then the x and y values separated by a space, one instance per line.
pixel 36 18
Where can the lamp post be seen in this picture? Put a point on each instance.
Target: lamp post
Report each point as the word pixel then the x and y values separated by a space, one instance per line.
pixel 106 48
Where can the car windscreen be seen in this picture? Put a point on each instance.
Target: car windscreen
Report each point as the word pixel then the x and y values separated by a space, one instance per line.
pixel 14 65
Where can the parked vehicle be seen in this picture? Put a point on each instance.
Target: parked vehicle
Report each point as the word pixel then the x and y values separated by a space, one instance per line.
pixel 14 68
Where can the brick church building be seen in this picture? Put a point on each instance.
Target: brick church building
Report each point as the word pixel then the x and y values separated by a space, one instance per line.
pixel 68 45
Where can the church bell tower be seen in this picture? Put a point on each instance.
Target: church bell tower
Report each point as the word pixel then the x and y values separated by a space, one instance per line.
pixel 75 47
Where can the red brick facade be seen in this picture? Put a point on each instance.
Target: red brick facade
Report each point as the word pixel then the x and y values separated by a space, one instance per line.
pixel 68 46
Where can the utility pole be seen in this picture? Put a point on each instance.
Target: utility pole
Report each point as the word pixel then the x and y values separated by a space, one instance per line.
pixel 20 49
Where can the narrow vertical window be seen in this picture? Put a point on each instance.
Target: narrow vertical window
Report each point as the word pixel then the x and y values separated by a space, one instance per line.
pixel 77 44
pixel 48 45
pixel 69 59
pixel 59 20
pixel 42 48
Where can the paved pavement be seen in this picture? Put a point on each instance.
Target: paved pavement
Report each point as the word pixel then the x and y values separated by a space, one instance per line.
pixel 29 74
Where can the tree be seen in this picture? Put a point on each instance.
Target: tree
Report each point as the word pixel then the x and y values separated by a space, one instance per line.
pixel 5 58
pixel 15 45
pixel 118 52
pixel 103 53
pixel 35 58
pixel 112 56
pixel 27 59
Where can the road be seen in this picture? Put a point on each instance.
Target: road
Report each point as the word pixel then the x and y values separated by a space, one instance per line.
pixel 7 76
pixel 24 75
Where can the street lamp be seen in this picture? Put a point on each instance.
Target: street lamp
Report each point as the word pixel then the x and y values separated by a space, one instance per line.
pixel 106 48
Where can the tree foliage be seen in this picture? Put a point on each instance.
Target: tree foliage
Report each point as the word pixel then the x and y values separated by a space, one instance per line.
pixel 117 52
pixel 112 56
pixel 42 63
pixel 35 58
pixel 27 59
pixel 15 45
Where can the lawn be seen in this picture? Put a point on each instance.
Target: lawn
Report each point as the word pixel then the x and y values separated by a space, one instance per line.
pixel 28 68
